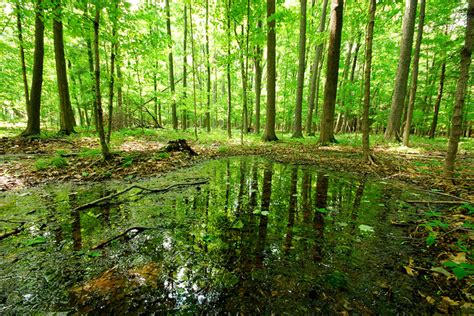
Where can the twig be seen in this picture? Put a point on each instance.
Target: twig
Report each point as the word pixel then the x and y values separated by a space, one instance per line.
pixel 435 202
pixel 16 231
pixel 136 186
pixel 138 230
pixel 444 194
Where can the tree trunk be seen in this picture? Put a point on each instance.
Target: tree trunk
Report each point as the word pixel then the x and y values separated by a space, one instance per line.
pixel 98 99
pixel 401 80
pixel 34 106
pixel 414 75
pixel 66 117
pixel 22 55
pixel 193 57
pixel 208 67
pixel 174 118
pixel 461 88
pixel 330 90
pixel 113 48
pixel 367 75
pixel 434 123
pixel 121 114
pixel 258 80
pixel 298 133
pixel 269 134
pixel 185 68
pixel 229 91
pixel 315 75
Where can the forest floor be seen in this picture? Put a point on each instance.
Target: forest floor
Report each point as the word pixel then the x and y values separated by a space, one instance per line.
pixel 140 153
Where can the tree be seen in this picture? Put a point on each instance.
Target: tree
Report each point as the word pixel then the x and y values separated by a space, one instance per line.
pixel 174 117
pixel 301 67
pixel 22 54
pixel 34 106
pixel 434 122
pixel 66 114
pixel 461 88
pixel 330 89
pixel 229 85
pixel 414 75
pixel 269 134
pixel 316 72
pixel 113 49
pixel 258 79
pixel 367 74
pixel 193 57
pixel 208 68
pixel 185 67
pixel 98 98
pixel 401 80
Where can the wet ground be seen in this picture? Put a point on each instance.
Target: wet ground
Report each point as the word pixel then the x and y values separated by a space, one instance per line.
pixel 259 237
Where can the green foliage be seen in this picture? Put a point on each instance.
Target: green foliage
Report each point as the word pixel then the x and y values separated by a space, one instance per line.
pixel 460 270
pixel 161 156
pixel 90 153
pixel 54 162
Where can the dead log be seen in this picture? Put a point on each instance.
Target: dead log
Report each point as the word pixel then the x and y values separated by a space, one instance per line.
pixel 137 186
pixel 180 145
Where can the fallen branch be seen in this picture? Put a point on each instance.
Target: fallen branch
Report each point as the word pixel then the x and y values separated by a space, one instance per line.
pixel 136 186
pixel 137 229
pixel 435 202
pixel 16 231
pixel 444 194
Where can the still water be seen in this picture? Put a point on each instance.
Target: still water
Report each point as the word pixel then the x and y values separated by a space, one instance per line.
pixel 259 237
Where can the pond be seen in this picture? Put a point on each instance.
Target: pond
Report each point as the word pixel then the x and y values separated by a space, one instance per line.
pixel 258 237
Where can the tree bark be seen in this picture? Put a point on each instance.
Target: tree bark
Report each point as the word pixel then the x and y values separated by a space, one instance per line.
pixel 229 91
pixel 174 117
pixel 298 133
pixel 367 75
pixel 193 57
pixel 258 80
pixel 414 75
pixel 330 90
pixel 34 106
pixel 314 81
pixel 185 68
pixel 98 99
pixel 434 122
pixel 401 80
pixel 113 48
pixel 66 117
pixel 22 54
pixel 461 88
pixel 208 67
pixel 269 134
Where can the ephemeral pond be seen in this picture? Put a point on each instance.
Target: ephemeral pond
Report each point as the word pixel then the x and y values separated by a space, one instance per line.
pixel 257 238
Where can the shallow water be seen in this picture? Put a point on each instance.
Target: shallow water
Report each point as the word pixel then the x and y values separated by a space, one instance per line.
pixel 260 237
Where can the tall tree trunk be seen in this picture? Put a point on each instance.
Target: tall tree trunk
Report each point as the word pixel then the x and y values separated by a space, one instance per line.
pixel 98 99
pixel 229 91
pixel 401 80
pixel 120 112
pixel 434 123
pixel 22 55
pixel 330 90
pixel 461 88
pixel 66 117
pixel 174 118
pixel 185 68
pixel 208 67
pixel 258 80
pixel 193 57
pixel 113 48
pixel 367 74
pixel 414 75
pixel 298 133
pixel 315 74
pixel 269 134
pixel 34 106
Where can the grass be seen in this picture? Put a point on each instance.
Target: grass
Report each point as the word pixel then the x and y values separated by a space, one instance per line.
pixel 56 162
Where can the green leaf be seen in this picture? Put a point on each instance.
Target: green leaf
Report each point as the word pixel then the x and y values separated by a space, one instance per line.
pixel 94 254
pixel 35 241
pixel 238 224
pixel 366 228
pixel 450 264
pixel 431 239
pixel 443 271
pixel 460 273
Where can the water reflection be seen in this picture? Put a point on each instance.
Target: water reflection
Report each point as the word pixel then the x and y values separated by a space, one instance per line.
pixel 261 237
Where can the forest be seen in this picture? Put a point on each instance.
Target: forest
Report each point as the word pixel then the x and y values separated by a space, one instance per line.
pixel 236 156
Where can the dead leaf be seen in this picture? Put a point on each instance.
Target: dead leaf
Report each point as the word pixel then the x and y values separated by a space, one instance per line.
pixel 449 301
pixel 459 258
pixel 443 271
pixel 410 271
pixel 430 300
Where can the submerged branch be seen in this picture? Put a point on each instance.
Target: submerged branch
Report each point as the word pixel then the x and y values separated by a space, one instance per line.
pixel 136 230
pixel 137 186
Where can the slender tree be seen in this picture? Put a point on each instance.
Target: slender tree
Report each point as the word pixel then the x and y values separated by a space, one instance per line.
pixel 414 75
pixel 298 133
pixel 330 89
pixel 22 54
pixel 229 85
pixel 258 79
pixel 461 88
pixel 98 98
pixel 434 122
pixel 174 117
pixel 113 48
pixel 34 106
pixel 193 57
pixel 66 117
pixel 185 67
pixel 208 68
pixel 269 134
pixel 367 74
pixel 315 73
pixel 401 80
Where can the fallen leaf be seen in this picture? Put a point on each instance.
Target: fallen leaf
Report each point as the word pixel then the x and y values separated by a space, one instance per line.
pixel 443 271
pixel 410 271
pixel 450 302
pixel 459 258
